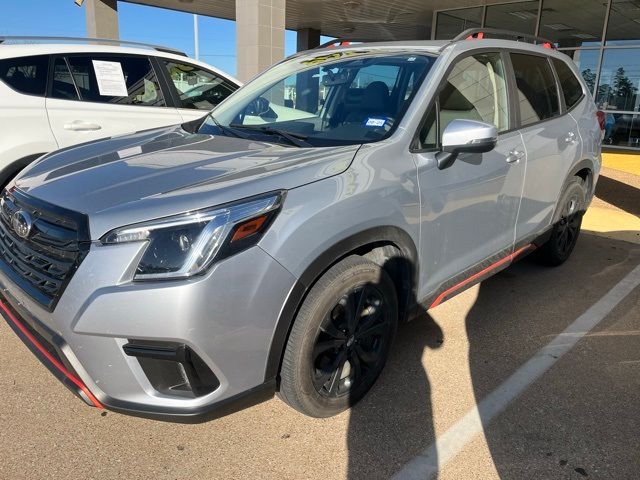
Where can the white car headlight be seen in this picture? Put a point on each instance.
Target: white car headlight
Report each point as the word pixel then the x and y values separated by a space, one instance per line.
pixel 185 245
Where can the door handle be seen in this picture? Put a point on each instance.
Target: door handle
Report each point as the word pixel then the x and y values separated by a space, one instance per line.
pixel 570 138
pixel 79 126
pixel 514 156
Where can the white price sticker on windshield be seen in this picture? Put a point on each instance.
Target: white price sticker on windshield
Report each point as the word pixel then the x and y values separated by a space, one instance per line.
pixel 375 122
pixel 111 82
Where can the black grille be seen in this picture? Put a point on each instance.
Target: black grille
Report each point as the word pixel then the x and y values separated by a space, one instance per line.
pixel 42 263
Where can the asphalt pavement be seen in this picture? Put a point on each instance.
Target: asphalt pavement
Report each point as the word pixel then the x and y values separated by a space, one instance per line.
pixel 533 374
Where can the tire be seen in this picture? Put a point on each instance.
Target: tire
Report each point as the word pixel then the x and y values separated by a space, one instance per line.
pixel 566 228
pixel 333 358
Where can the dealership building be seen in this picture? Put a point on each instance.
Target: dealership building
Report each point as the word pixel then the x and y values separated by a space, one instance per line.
pixel 602 36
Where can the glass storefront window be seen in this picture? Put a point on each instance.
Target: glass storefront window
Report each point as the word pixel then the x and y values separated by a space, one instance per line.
pixel 452 22
pixel 573 23
pixel 624 23
pixel 619 80
pixel 517 17
pixel 622 130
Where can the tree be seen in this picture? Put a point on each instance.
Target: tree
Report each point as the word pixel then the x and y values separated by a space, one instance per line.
pixel 623 90
pixel 589 78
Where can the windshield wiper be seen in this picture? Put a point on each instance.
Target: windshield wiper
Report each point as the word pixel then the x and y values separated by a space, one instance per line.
pixel 294 138
pixel 226 130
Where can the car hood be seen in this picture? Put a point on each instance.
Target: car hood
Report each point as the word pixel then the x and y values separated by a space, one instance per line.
pixel 161 172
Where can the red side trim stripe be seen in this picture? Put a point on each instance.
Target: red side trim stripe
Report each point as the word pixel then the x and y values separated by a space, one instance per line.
pixel 482 272
pixel 76 381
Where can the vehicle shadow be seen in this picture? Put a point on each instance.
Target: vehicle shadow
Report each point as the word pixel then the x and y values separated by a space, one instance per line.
pixel 619 194
pixel 393 423
pixel 515 314
pixel 550 431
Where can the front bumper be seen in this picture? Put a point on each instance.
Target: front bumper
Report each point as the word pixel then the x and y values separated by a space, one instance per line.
pixel 227 318
pixel 48 348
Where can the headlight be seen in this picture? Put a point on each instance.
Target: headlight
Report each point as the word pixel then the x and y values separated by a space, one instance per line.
pixel 185 245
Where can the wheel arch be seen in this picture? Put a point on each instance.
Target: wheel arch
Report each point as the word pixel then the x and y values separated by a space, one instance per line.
pixel 13 168
pixel 584 169
pixel 360 243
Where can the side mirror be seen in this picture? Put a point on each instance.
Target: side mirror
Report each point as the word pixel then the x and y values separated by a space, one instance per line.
pixel 465 136
pixel 258 107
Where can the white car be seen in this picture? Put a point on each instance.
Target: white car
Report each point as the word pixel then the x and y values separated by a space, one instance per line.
pixel 57 95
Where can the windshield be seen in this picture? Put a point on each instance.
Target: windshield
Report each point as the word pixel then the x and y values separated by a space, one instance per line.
pixel 341 98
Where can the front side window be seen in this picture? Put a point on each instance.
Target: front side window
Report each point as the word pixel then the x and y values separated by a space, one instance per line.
pixel 198 88
pixel 26 74
pixel 570 85
pixel 121 80
pixel 537 89
pixel 341 98
pixel 475 89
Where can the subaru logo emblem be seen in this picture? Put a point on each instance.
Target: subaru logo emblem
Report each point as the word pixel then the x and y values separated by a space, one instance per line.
pixel 21 222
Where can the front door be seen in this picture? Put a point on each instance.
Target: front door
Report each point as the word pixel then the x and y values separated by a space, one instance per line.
pixel 468 210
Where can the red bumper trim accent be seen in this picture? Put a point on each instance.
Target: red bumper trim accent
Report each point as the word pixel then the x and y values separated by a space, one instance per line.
pixel 481 273
pixel 76 381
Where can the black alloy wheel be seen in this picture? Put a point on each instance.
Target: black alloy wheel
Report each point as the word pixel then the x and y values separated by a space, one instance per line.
pixel 340 339
pixel 568 226
pixel 566 229
pixel 351 342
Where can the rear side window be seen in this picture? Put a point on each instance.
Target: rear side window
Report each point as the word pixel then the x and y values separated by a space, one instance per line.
pixel 570 85
pixel 62 85
pixel 198 88
pixel 140 81
pixel 26 74
pixel 537 89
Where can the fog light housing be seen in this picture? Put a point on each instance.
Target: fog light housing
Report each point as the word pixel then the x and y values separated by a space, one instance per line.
pixel 173 368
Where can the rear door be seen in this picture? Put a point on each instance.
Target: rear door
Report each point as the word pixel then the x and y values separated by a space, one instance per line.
pixel 102 95
pixel 581 107
pixel 551 139
pixel 195 89
pixel 469 209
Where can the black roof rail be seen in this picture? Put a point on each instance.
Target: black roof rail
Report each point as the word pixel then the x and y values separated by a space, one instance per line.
pixel 481 33
pixel 339 42
pixel 108 41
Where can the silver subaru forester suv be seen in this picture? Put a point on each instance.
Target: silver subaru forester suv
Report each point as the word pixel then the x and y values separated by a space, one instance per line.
pixel 183 273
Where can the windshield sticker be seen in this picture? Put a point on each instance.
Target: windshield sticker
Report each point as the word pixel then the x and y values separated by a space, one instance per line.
pixel 111 82
pixel 375 122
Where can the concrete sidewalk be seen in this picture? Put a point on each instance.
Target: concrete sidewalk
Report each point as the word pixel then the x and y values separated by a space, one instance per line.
pixel 615 211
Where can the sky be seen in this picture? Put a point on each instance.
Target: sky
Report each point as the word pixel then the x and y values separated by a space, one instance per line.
pixel 137 23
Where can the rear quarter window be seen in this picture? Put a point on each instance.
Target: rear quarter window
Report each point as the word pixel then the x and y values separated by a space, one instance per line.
pixel 26 74
pixel 569 84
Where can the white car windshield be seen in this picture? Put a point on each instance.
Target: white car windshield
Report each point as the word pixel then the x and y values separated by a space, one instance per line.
pixel 338 98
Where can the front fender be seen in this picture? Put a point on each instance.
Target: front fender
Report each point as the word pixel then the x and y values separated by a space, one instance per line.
pixel 321 223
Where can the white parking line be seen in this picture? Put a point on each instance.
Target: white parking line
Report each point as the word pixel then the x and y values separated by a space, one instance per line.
pixel 451 442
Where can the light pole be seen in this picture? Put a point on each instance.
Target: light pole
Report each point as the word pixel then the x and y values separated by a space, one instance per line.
pixel 195 37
